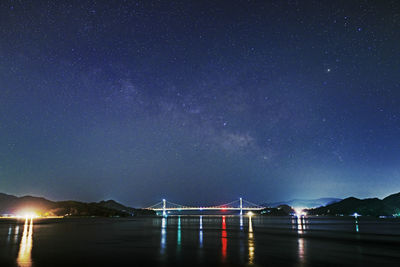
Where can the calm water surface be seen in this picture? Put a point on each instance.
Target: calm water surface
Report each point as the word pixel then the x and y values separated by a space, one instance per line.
pixel 200 241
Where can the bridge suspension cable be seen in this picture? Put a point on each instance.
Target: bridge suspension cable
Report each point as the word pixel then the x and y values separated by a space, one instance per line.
pixel 239 204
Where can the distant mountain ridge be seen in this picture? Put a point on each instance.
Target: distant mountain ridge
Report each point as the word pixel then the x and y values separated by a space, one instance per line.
pixel 304 203
pixel 389 206
pixel 10 204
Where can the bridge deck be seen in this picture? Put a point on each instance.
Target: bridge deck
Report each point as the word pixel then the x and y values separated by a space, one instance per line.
pixel 243 205
pixel 206 208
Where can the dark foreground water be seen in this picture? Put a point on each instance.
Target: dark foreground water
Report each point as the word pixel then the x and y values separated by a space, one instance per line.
pixel 200 240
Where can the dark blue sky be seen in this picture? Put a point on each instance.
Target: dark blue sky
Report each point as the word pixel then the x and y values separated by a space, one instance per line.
pixel 199 101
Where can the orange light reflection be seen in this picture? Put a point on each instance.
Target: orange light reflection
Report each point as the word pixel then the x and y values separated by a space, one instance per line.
pixel 25 248
pixel 251 242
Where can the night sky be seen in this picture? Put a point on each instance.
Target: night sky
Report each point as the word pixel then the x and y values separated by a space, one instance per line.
pixel 199 102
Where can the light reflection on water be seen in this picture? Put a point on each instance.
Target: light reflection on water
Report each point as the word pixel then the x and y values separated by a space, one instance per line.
pixel 24 255
pixel 16 234
pixel 179 235
pixel 357 228
pixel 241 239
pixel 251 242
pixel 201 232
pixel 224 239
pixel 301 226
pixel 163 234
pixel 9 234
pixel 246 235
pixel 301 250
pixel 201 239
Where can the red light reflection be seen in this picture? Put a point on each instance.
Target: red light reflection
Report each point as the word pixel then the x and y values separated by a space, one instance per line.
pixel 224 239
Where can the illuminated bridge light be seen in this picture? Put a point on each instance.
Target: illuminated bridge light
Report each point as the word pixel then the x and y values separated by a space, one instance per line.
pixel 239 205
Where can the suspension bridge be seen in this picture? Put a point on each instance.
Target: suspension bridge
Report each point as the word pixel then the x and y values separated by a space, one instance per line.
pixel 240 205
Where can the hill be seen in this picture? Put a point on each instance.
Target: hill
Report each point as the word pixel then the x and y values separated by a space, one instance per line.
pixel 282 210
pixel 368 207
pixel 304 203
pixel 19 205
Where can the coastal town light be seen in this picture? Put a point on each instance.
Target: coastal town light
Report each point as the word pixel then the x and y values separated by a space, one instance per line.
pixel 27 215
pixel 300 212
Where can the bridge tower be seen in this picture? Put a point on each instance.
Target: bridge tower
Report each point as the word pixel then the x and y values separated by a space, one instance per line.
pixel 164 213
pixel 241 206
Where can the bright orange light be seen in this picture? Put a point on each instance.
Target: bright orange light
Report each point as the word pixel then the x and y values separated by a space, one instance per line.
pixel 27 215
